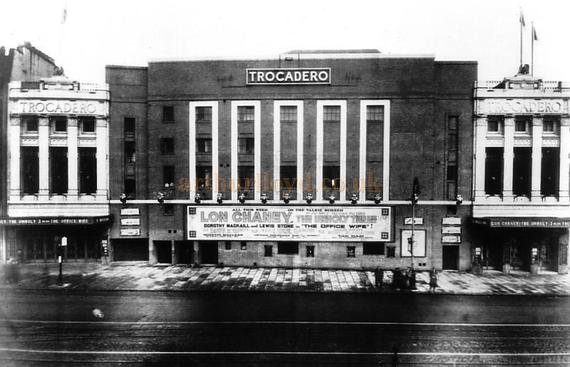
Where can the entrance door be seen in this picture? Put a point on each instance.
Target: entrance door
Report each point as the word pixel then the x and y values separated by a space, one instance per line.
pixel 450 257
pixel 209 251
pixel 163 252
pixel 185 251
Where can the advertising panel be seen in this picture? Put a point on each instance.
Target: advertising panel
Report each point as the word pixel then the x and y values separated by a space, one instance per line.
pixel 289 223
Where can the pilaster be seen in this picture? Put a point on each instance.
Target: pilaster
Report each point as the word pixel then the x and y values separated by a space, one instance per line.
pixel 102 161
pixel 72 158
pixel 536 159
pixel 14 136
pixel 564 159
pixel 480 155
pixel 43 142
pixel 508 157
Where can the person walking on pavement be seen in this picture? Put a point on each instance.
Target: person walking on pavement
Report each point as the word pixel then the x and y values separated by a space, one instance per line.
pixel 432 280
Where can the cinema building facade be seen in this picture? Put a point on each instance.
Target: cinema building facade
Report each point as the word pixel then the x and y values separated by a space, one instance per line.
pixel 302 160
pixel 521 208
pixel 58 170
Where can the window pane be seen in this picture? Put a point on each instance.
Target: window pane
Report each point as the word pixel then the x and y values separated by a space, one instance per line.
pixel 331 113
pixel 204 114
pixel 246 145
pixel 288 113
pixel 375 113
pixel 129 125
pixel 167 113
pixel 30 170
pixel 87 170
pixel 87 124
pixel 246 113
pixel 30 123
pixel 58 170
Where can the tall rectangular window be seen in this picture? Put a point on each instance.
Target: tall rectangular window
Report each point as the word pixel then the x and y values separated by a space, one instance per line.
pixel 167 113
pixel 204 181
pixel 167 146
pixel 167 176
pixel 246 113
pixel 494 171
pixel 129 126
pixel 522 171
pixel 288 114
pixel 452 149
pixel 374 150
pixel 204 115
pixel 550 171
pixel 87 170
pixel 30 170
pixel 58 170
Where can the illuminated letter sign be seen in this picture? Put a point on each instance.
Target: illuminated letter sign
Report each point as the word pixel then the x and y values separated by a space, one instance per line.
pixel 288 76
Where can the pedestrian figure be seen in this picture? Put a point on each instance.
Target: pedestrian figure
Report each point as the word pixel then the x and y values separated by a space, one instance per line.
pixel 432 280
pixel 395 358
pixel 379 277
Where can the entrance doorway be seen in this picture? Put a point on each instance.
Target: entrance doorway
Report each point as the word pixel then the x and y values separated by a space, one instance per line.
pixel 450 257
pixel 209 252
pixel 185 251
pixel 163 251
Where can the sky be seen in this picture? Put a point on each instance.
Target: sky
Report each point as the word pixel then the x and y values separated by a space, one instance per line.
pixel 128 32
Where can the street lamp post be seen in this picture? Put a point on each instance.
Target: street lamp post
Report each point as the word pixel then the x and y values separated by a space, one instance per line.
pixel 414 200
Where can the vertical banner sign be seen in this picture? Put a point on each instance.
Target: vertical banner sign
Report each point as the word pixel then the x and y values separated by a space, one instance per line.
pixel 266 223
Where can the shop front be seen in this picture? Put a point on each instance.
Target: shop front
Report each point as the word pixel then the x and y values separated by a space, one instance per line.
pixel 527 244
pixel 34 240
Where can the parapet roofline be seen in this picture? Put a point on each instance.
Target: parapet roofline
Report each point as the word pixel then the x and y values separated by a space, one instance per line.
pixel 294 57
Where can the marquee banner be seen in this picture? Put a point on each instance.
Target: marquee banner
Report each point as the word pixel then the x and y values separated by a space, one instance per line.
pixel 290 223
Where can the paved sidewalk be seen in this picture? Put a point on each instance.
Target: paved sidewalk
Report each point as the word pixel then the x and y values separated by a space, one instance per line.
pixel 183 278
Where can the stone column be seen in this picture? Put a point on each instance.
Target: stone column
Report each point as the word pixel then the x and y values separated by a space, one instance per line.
pixel 480 155
pixel 43 142
pixel 508 157
pixel 102 161
pixel 564 160
pixel 14 141
pixel 72 158
pixel 536 159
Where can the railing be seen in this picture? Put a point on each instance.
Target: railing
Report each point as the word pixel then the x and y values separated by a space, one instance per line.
pixel 549 85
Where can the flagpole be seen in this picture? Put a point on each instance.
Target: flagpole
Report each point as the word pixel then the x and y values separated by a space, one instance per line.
pixel 521 26
pixel 532 51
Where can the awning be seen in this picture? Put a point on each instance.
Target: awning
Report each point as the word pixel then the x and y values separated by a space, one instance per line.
pixel 27 221
pixel 523 222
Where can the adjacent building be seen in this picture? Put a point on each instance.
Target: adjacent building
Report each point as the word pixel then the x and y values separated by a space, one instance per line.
pixel 23 63
pixel 57 170
pixel 306 160
pixel 521 207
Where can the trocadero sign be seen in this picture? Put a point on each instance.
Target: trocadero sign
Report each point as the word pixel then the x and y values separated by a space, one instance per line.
pixel 288 76
pixel 267 223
